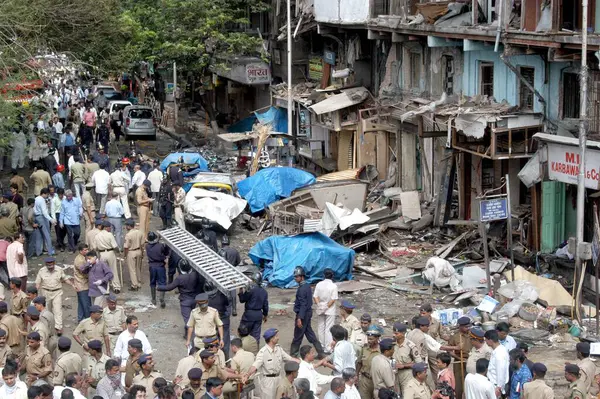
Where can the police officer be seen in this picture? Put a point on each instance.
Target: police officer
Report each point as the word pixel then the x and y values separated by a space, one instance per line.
pixel 577 389
pixel 461 339
pixel 189 283
pixel 406 354
pixel 220 302
pixel 67 362
pixel 417 337
pixel 36 361
pixel 230 254
pixel 269 363
pixel 363 369
pixel 381 367
pixel 417 387
pixel 157 255
pixel 208 237
pixel 174 260
pixel 303 310
pixel 49 281
pixel 204 322
pixel 537 389
pixel 349 321
pixel 134 242
pixel 256 309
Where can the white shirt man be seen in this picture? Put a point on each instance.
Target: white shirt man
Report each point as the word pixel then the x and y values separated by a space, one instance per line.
pixel 156 178
pixel 499 363
pixel 138 178
pixel 17 391
pixel 477 386
pixel 100 179
pixel 343 356
pixel 325 297
pixel 351 392
pixel 315 378
pixel 121 345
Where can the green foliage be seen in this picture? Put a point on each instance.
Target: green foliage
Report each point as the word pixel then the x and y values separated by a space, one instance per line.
pixel 190 32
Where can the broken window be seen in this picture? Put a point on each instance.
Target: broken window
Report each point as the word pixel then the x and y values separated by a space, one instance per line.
pixel 448 74
pixel 571 95
pixel 381 7
pixel 486 79
pixel 415 70
pixel 525 93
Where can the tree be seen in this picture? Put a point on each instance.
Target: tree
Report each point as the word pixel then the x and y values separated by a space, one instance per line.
pixel 196 34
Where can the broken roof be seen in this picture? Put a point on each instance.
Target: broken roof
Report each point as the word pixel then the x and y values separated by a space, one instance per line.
pixel 345 99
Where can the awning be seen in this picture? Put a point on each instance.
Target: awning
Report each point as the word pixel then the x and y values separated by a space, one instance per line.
pixel 345 99
pixel 245 70
pixel 572 141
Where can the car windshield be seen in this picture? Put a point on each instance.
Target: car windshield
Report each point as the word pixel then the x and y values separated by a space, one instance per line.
pixel 140 114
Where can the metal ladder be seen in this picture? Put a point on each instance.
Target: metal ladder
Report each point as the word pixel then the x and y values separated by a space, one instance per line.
pixel 204 260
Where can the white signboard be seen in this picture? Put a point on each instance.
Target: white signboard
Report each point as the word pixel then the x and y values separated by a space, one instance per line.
pixel 563 165
pixel 258 73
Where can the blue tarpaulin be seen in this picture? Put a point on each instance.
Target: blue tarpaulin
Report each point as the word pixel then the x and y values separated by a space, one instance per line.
pixel 272 184
pixel 276 117
pixel 189 158
pixel 314 252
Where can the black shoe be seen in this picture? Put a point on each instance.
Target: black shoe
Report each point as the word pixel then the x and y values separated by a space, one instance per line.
pixel 234 313
pixel 117 291
pixel 163 304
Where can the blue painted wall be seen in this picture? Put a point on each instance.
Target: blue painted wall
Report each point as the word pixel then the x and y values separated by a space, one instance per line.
pixel 506 83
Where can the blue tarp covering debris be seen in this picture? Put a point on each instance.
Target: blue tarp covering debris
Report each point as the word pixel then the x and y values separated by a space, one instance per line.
pixel 277 117
pixel 315 252
pixel 272 184
pixel 189 158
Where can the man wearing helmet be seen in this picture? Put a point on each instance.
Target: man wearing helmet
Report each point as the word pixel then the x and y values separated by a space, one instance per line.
pixel 303 310
pixel 57 178
pixel 189 283
pixel 256 308
pixel 157 257
pixel 230 254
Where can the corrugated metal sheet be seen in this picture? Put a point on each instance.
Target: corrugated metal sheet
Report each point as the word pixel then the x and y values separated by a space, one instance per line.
pixel 343 100
pixel 342 175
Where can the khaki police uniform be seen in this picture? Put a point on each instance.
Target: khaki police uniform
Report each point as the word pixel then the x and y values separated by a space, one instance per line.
pixel 95 369
pixel 67 362
pixel 588 371
pixel 50 286
pixel 285 389
pixel 485 352
pixel 213 371
pixel 90 237
pixel 350 323
pixel 146 380
pixel 41 328
pixel 406 352
pixel 88 205
pixel 131 369
pixel 204 324
pixel 105 244
pixel 269 365
pixel 434 332
pixel 464 342
pixel 183 368
pixel 143 210
pixel 416 390
pixel 240 364
pixel 88 330
pixel 365 380
pixel 4 352
pixel 577 390
pixel 47 318
pixel 134 241
pixel 382 374
pixel 417 337
pixel 249 344
pixel 537 389
pixel 197 392
pixel 37 362
pixel 114 319
pixel 19 303
pixel 12 324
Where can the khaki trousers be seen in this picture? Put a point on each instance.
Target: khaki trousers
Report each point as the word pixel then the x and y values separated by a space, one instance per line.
pixel 54 304
pixel 365 387
pixel 111 259
pixel 144 214
pixel 134 264
pixel 89 224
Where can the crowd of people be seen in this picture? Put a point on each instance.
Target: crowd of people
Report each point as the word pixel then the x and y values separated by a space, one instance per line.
pixel 81 203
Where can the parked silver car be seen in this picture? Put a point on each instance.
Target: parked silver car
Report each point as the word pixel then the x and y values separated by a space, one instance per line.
pixel 139 120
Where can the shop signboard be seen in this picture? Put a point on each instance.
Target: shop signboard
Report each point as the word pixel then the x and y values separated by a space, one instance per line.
pixel 493 209
pixel 563 164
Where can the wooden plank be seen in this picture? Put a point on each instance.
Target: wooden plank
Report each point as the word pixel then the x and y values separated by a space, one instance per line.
pixel 433 133
pixel 444 198
pixel 445 251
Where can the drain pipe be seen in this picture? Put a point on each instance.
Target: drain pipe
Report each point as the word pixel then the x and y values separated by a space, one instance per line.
pixel 525 82
pixel 500 5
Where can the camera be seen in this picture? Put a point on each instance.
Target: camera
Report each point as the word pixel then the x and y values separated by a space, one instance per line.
pixel 445 389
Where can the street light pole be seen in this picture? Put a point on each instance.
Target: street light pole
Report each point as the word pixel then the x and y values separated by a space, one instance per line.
pixel 289 65
pixel 582 137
